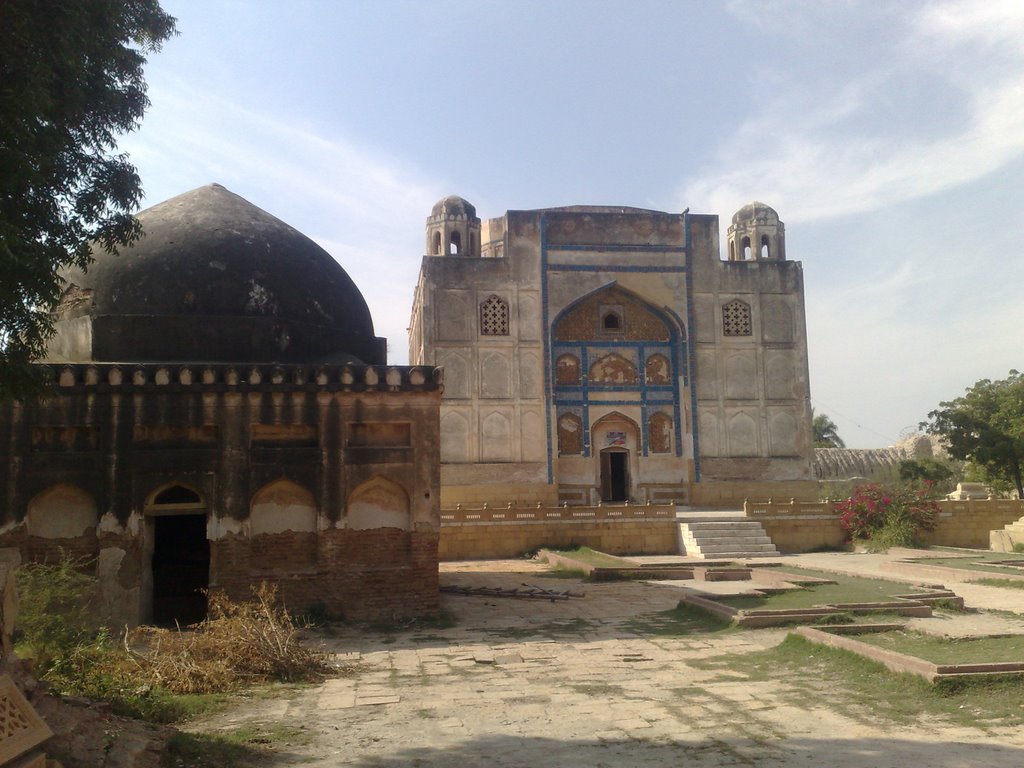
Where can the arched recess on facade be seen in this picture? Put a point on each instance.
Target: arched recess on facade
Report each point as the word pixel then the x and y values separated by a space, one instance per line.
pixel 61 520
pixel 615 294
pixel 615 442
pixel 570 434
pixel 378 503
pixel 455 447
pixel 659 433
pixel 613 368
pixel 282 527
pixel 567 370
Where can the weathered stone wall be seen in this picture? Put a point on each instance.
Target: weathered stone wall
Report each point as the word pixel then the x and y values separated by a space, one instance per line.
pixel 481 533
pixel 804 526
pixel 731 495
pixel 323 479
pixel 968 523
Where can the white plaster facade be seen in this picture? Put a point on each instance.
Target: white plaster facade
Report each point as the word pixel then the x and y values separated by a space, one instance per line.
pixel 608 353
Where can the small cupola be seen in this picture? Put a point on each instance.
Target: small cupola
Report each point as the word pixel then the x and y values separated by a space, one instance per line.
pixel 453 228
pixel 756 234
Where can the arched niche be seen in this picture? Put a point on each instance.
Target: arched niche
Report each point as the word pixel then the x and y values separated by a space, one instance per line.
pixel 496 437
pixel 613 369
pixel 567 370
pixel 659 433
pixel 570 435
pixel 658 369
pixel 454 438
pixel 61 512
pixel 282 506
pixel 742 431
pixel 378 503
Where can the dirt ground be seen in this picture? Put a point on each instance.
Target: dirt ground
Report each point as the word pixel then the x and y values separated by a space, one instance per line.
pixel 579 683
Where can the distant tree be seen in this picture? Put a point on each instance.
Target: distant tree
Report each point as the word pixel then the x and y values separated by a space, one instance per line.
pixel 986 427
pixel 826 433
pixel 71 82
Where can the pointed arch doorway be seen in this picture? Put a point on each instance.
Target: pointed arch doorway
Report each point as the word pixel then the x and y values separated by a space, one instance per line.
pixel 178 553
pixel 614 474
pixel 614 437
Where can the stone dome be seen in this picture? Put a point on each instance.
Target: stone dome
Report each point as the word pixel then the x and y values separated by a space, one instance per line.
pixel 214 278
pixel 755 212
pixel 453 206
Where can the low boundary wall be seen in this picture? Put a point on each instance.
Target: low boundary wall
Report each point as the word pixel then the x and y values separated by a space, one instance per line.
pixel 513 531
pixel 793 526
pixel 797 526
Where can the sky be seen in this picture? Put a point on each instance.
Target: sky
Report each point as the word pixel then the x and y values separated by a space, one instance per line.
pixel 889 136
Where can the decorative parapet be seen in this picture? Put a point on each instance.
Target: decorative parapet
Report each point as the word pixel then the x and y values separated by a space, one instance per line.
pixel 511 514
pixel 244 378
pixel 793 508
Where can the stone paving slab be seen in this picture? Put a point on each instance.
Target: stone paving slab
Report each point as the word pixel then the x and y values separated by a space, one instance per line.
pixel 600 695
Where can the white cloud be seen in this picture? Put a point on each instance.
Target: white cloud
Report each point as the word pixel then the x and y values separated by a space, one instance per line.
pixel 819 157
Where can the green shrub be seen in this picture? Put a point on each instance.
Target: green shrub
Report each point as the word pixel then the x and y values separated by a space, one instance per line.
pixel 885 518
pixel 57 624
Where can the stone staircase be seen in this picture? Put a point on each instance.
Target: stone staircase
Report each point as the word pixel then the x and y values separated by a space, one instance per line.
pixel 1003 540
pixel 728 536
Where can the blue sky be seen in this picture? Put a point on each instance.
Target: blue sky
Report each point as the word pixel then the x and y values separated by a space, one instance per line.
pixel 889 136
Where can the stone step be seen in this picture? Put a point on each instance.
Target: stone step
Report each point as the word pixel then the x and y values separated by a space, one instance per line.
pixel 723 525
pixel 734 555
pixel 738 540
pixel 736 546
pixel 725 539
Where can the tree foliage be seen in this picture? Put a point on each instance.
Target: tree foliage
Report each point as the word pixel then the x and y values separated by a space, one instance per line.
pixel 826 433
pixel 71 82
pixel 986 426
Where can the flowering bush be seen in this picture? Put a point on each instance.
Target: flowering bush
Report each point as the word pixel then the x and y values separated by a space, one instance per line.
pixel 887 518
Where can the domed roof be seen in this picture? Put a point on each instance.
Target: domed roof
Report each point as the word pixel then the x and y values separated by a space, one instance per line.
pixel 755 211
pixel 215 278
pixel 453 205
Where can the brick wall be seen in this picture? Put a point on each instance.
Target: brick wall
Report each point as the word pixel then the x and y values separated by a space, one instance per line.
pixel 378 574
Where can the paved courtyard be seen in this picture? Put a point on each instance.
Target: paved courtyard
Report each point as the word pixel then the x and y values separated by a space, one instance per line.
pixel 583 682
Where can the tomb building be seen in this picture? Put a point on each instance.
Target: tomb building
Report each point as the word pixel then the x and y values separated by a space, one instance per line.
pixel 222 414
pixel 599 354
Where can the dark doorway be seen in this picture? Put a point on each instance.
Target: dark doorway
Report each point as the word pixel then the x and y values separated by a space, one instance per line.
pixel 181 569
pixel 614 475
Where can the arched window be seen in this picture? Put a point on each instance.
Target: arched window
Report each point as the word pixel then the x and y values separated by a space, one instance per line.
pixel 657 370
pixel 764 246
pixel 437 243
pixel 736 318
pixel 746 249
pixel 494 317
pixel 612 322
pixel 456 241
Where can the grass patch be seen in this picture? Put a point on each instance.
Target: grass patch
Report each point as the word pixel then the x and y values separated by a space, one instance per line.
pixel 593 557
pixel 847 589
pixel 551 629
pixel 684 619
pixel 812 675
pixel 942 650
pixel 245 747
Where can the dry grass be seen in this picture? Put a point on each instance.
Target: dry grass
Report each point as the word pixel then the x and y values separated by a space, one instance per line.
pixel 239 644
